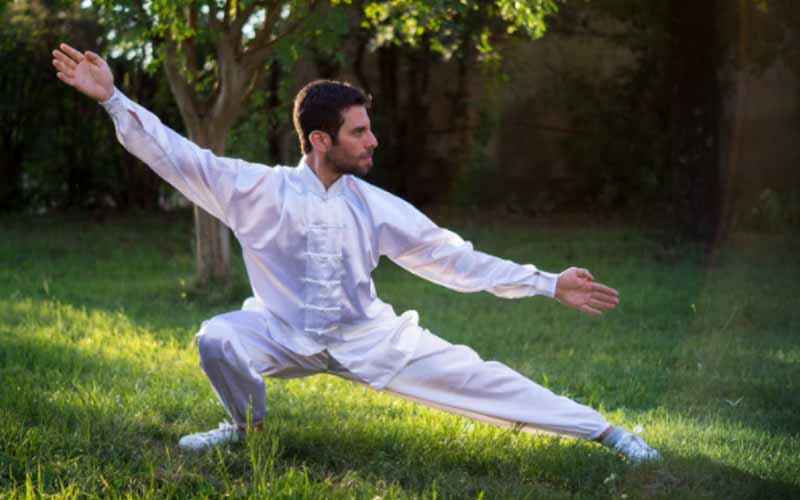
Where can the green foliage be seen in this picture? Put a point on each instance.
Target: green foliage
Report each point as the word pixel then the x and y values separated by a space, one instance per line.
pixel 101 374
pixel 450 27
pixel 160 21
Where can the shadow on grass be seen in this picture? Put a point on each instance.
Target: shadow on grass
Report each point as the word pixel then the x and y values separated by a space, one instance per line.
pixel 700 477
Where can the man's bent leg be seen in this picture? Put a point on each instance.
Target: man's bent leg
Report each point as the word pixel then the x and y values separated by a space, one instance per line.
pixel 454 376
pixel 229 368
pixel 236 351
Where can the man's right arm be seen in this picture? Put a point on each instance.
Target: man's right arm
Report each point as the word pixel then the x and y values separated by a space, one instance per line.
pixel 204 178
pixel 415 243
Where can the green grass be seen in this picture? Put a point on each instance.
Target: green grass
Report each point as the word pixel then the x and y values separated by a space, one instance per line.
pixel 100 378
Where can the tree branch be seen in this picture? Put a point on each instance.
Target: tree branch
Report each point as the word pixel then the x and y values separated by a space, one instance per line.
pixel 258 79
pixel 226 14
pixel 181 90
pixel 261 46
pixel 213 22
pixel 358 62
pixel 188 44
pixel 243 15
pixel 263 34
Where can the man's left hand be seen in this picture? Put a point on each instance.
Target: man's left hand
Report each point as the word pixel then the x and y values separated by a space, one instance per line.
pixel 576 288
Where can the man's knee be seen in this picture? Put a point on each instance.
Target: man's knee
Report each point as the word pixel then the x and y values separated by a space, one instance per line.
pixel 214 340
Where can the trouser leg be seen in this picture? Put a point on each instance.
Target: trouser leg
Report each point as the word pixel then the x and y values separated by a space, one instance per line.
pixel 236 351
pixel 454 377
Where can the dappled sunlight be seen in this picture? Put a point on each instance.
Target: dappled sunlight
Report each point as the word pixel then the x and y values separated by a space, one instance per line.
pixel 110 335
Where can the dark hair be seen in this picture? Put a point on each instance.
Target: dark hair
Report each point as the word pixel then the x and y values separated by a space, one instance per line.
pixel 319 106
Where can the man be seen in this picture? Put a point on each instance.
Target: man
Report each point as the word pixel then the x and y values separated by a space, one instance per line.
pixel 310 238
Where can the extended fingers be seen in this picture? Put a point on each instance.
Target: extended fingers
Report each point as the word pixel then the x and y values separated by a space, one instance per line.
pixel 589 309
pixel 64 59
pixel 603 297
pixel 64 68
pixel 68 79
pixel 601 289
pixel 602 302
pixel 94 58
pixel 72 53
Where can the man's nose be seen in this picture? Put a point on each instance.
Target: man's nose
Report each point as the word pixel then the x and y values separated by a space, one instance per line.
pixel 373 141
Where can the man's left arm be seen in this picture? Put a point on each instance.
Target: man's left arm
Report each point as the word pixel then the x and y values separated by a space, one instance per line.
pixel 414 242
pixel 441 256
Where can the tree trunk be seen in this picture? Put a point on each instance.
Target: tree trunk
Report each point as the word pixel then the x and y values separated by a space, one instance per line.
pixel 423 176
pixel 732 173
pixel 694 154
pixel 212 237
pixel 387 107
pixel 212 248
pixel 208 130
pixel 271 108
pixel 461 119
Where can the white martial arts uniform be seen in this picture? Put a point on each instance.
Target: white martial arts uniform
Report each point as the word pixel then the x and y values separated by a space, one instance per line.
pixel 309 253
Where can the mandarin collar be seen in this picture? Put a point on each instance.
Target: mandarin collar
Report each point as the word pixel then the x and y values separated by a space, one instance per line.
pixel 315 185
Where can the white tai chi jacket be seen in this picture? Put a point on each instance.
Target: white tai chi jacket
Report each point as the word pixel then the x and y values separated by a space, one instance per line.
pixel 309 251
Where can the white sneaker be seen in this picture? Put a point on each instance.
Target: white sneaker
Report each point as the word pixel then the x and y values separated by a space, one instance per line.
pixel 225 433
pixel 633 447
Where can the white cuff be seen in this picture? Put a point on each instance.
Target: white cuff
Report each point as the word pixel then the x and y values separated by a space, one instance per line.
pixel 546 283
pixel 108 104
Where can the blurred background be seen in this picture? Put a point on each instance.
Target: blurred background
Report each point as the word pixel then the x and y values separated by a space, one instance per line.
pixel 677 114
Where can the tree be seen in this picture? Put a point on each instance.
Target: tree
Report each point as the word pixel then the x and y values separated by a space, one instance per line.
pixel 214 54
pixel 694 151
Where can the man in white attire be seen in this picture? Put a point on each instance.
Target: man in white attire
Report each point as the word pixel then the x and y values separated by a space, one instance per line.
pixel 310 236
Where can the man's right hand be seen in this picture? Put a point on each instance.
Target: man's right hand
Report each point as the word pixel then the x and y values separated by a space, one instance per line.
pixel 576 288
pixel 86 72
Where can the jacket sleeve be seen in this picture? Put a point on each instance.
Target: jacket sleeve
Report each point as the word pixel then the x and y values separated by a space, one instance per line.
pixel 414 242
pixel 207 180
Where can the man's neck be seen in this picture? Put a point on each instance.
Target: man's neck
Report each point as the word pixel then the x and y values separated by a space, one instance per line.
pixel 323 170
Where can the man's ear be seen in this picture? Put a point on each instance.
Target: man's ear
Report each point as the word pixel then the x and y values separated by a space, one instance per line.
pixel 320 140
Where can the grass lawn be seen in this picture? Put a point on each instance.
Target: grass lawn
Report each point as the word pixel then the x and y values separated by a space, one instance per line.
pixel 100 375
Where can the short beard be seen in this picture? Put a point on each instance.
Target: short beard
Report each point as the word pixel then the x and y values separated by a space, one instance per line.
pixel 343 166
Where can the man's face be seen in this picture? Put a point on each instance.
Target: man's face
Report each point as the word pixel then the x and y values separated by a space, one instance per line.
pixel 352 152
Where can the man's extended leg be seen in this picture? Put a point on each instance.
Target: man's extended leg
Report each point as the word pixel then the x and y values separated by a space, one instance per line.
pixel 454 376
pixel 236 351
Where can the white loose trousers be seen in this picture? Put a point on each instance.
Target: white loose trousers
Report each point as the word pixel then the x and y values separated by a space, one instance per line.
pixel 237 350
